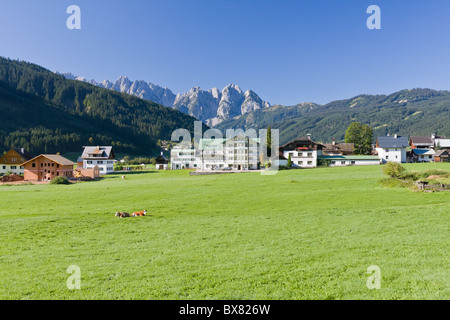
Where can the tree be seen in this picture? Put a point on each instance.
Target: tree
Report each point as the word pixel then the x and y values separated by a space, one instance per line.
pixel 361 136
pixel 289 162
pixel 269 141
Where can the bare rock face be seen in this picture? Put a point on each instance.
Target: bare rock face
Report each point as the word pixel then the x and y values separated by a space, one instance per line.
pixel 211 107
pixel 198 103
pixel 230 104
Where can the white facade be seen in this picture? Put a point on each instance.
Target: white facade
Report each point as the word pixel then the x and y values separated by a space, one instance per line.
pixel 392 154
pixel 424 155
pixel 344 161
pixel 105 166
pixel 184 158
pixel 5 168
pixel 303 158
pixel 238 153
pixel 101 156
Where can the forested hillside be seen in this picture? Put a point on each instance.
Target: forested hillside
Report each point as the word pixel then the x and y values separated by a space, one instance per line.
pixel 408 112
pixel 44 112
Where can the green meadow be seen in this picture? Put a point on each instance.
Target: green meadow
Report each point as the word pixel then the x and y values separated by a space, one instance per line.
pixel 299 234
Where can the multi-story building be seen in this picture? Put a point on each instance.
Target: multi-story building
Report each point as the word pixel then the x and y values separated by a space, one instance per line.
pixel 392 148
pixel 237 153
pixel 303 152
pixel 46 167
pixel 100 156
pixel 184 157
pixel 12 160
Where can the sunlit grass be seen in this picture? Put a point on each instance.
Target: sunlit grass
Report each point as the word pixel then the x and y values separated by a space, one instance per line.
pixel 300 234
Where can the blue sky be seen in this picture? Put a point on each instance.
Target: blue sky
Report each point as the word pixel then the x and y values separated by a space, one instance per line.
pixel 286 51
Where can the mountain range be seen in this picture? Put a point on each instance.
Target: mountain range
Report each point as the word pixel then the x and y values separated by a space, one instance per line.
pixel 212 106
pixel 410 112
pixel 407 112
pixel 46 113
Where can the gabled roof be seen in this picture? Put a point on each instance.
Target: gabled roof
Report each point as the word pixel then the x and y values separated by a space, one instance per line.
pixel 422 152
pixel 441 152
pixel 101 152
pixel 339 146
pixel 393 142
pixel 422 141
pixel 21 152
pixel 301 140
pixel 444 143
pixel 55 158
pixel 162 159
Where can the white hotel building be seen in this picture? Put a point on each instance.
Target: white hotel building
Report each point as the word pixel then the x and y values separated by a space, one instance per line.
pixel 238 153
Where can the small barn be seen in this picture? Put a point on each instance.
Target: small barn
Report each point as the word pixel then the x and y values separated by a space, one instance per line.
pixel 162 163
pixel 442 156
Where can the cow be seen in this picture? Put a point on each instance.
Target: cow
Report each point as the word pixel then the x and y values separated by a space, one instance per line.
pixel 122 214
pixel 139 213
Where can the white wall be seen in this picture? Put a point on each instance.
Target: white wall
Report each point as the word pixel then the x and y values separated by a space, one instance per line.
pixel 392 154
pixel 338 163
pixel 106 166
pixel 4 168
pixel 301 158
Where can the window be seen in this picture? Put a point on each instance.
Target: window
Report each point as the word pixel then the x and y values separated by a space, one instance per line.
pixel 309 154
pixel 89 162
pixel 309 162
pixel 13 167
pixel 100 162
pixel 33 165
pixel 333 162
pixel 4 167
pixel 353 162
pixel 300 163
pixel 387 157
pixel 342 162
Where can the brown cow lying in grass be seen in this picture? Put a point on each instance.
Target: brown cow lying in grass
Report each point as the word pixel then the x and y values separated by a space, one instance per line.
pixel 134 214
pixel 122 214
pixel 139 213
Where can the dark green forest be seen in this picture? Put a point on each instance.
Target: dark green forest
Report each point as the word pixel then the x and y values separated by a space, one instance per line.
pixel 416 112
pixel 45 113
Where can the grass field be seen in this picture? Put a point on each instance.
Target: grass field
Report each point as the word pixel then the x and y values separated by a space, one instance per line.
pixel 300 234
